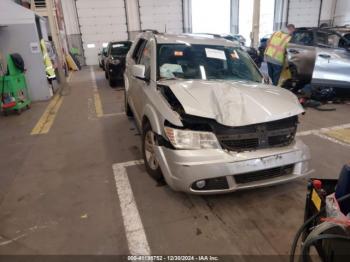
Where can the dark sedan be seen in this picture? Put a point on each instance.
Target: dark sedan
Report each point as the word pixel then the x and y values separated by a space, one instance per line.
pixel 115 61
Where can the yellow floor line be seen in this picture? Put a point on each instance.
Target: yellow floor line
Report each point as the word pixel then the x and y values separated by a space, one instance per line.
pixel 98 104
pixel 47 119
pixel 342 135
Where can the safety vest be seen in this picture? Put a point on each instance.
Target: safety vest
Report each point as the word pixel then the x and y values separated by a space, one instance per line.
pixel 50 71
pixel 276 47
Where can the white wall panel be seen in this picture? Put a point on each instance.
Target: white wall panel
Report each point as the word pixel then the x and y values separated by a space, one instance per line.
pixel 342 12
pixel 100 22
pixel 161 14
pixel 70 17
pixel 304 12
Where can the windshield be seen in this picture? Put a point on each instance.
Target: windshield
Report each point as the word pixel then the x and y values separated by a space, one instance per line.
pixel 120 48
pixel 205 62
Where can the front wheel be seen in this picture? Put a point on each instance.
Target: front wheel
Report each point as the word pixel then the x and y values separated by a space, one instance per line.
pixel 149 155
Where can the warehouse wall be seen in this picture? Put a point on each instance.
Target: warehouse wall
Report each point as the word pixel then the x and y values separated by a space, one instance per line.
pixel 100 22
pixel 72 27
pixel 304 12
pixel 161 15
pixel 90 22
pixel 342 12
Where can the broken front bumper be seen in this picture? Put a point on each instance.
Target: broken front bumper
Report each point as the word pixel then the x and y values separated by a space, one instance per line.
pixel 226 171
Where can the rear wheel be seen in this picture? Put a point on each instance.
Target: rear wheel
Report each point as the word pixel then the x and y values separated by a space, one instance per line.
pixel 148 152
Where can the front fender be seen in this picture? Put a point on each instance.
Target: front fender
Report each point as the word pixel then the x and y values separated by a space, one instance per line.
pixel 153 118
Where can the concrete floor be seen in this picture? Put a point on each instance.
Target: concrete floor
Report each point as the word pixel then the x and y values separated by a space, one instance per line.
pixel 58 194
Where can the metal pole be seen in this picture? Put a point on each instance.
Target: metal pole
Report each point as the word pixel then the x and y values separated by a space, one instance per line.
pixel 256 24
pixel 56 41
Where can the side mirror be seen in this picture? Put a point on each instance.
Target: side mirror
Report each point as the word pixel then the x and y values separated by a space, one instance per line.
pixel 139 72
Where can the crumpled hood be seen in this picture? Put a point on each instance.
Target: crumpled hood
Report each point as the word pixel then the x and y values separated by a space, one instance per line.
pixel 235 103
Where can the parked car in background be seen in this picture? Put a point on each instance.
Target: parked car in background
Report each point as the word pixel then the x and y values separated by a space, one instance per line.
pixel 320 56
pixel 101 57
pixel 115 61
pixel 209 123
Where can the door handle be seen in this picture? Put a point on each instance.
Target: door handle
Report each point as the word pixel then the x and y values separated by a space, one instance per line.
pixel 324 56
pixel 294 51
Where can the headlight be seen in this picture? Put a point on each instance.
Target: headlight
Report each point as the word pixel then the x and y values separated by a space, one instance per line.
pixel 115 61
pixel 187 139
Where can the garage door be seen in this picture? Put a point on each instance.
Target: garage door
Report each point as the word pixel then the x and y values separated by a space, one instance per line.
pixel 161 14
pixel 304 12
pixel 100 22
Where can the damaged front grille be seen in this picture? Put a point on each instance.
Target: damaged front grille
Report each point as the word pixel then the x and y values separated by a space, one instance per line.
pixel 264 174
pixel 271 134
pixel 245 138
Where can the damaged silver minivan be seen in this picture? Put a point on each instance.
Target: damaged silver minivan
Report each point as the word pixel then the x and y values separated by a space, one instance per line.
pixel 209 122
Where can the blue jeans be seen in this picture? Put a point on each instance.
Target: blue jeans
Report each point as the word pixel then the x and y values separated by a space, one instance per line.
pixel 274 72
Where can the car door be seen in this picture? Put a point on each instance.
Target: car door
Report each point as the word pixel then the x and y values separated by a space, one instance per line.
pixel 301 53
pixel 136 88
pixel 332 65
pixel 140 86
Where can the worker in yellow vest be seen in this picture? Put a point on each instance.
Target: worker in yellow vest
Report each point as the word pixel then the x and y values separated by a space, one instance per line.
pixel 275 52
pixel 49 68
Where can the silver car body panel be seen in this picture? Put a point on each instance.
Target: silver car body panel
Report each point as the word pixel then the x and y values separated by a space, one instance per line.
pixel 181 168
pixel 332 67
pixel 303 57
pixel 235 103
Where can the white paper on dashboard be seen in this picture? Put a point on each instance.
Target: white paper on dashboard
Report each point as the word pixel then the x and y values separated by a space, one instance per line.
pixel 215 53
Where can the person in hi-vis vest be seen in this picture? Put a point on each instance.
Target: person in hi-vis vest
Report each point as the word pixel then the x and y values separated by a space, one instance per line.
pixel 275 52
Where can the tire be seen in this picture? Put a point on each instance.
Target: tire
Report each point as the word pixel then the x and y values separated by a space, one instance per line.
pixel 128 111
pixel 151 163
pixel 106 75
pixel 100 65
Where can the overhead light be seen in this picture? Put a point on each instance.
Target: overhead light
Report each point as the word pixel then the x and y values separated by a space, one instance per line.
pixel 90 45
pixel 104 44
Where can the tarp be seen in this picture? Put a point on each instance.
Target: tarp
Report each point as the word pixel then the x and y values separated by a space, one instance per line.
pixel 12 13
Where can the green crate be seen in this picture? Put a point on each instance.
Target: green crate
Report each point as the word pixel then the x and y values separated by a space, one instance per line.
pixel 13 89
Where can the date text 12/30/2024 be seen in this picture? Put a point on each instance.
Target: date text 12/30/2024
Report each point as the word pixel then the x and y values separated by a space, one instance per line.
pixel 173 258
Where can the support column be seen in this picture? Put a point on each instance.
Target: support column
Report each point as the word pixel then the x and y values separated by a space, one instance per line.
pixel 279 19
pixel 187 16
pixel 234 17
pixel 256 24
pixel 55 38
pixel 132 17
